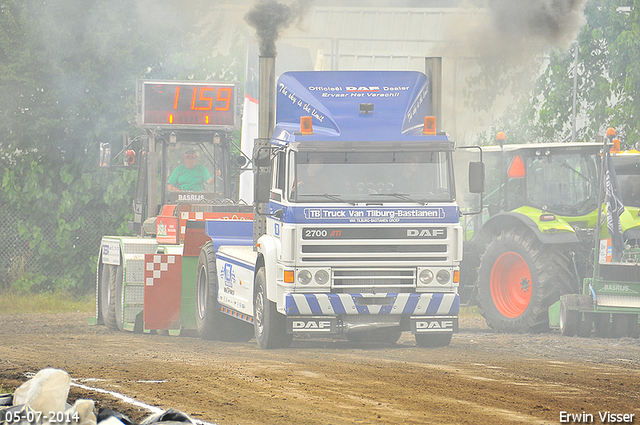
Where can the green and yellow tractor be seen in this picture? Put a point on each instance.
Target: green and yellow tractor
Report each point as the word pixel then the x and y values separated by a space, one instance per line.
pixel 533 240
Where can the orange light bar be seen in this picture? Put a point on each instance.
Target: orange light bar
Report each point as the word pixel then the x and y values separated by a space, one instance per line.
pixel 288 274
pixel 306 125
pixel 516 169
pixel 429 125
pixel 170 118
pixel 611 132
pixel 501 136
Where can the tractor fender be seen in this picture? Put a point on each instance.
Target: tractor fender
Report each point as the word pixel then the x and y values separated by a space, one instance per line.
pixel 512 219
pixel 268 249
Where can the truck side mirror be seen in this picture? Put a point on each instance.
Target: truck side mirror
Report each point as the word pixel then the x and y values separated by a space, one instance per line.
pixel 262 157
pixel 476 177
pixel 262 186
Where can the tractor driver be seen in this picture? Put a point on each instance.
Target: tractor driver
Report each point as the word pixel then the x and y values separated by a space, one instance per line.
pixel 189 176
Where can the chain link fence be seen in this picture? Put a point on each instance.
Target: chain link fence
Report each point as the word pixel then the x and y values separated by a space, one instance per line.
pixel 20 259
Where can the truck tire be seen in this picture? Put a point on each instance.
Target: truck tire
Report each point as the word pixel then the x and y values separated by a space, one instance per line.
pixel 269 325
pixel 211 323
pixel 518 280
pixel 111 278
pixel 433 340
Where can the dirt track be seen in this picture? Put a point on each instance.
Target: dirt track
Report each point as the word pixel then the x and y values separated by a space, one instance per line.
pixel 482 378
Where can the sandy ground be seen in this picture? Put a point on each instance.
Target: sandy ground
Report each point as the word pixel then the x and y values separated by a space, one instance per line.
pixel 481 378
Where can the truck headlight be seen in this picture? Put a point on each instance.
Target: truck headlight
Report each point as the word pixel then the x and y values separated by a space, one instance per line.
pixel 304 277
pixel 443 277
pixel 321 277
pixel 426 276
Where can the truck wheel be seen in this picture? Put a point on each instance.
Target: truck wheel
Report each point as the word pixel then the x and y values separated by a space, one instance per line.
pixel 386 336
pixel 433 340
pixel 518 279
pixel 206 293
pixel 269 325
pixel 568 320
pixel 211 323
pixel 111 296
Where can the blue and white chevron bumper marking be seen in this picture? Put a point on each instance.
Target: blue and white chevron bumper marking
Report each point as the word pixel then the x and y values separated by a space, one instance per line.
pixel 407 304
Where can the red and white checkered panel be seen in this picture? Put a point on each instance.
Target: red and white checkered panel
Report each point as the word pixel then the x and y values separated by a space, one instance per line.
pixel 162 291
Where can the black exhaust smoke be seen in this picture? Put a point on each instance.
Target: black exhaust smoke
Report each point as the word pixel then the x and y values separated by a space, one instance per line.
pixel 270 18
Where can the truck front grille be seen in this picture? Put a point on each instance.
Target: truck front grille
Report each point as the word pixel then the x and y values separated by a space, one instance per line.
pixel 350 253
pixel 373 280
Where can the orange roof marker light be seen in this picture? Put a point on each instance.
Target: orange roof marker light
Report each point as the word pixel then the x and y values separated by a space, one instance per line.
pixel 611 134
pixel 429 125
pixel 306 125
pixel 516 169
pixel 616 146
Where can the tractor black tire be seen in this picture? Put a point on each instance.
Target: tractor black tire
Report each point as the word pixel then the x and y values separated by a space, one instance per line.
pixel 110 291
pixel 624 325
pixel 585 326
pixel 433 340
pixel 269 325
pixel 602 325
pixel 384 336
pixel 568 320
pixel 519 278
pixel 211 323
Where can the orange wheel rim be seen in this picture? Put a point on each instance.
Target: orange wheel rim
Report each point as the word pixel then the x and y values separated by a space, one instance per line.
pixel 511 285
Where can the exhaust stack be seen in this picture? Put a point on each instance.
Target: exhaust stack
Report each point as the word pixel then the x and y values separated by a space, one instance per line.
pixel 433 68
pixel 266 123
pixel 267 105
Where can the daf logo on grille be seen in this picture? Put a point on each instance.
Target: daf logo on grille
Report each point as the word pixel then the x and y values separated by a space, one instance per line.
pixel 426 233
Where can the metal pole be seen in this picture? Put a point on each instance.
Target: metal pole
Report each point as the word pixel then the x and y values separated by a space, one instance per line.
pixel 575 87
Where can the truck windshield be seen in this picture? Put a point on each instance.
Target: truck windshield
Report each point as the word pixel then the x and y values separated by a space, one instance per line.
pixel 563 183
pixel 409 177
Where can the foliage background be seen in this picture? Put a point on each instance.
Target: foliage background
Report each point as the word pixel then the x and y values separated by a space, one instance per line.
pixel 67 77
pixel 608 82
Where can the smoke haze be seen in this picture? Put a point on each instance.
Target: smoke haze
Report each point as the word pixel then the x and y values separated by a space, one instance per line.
pixel 270 18
pixel 516 30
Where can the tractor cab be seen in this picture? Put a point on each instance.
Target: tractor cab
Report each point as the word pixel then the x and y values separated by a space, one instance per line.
pixel 186 159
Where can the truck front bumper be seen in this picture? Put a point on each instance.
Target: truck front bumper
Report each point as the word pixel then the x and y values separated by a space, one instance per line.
pixel 403 304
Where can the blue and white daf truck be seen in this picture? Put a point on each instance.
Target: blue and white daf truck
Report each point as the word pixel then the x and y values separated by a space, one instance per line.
pixel 355 229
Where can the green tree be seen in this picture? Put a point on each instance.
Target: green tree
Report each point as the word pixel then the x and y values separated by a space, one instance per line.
pixel 67 80
pixel 608 89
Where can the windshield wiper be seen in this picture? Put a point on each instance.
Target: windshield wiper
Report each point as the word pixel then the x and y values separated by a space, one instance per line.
pixel 404 196
pixel 564 164
pixel 328 196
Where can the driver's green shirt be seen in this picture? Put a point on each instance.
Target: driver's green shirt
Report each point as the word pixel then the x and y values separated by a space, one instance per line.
pixel 189 178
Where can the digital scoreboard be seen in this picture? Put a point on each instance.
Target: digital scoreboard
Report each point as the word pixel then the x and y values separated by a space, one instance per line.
pixel 188 104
